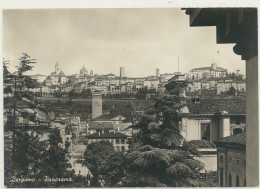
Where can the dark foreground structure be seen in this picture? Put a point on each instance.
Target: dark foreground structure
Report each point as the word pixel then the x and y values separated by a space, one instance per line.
pixel 239 26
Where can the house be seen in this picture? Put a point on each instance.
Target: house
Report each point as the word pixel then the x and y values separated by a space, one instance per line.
pixel 94 127
pixel 231 164
pixel 118 140
pixel 114 118
pixel 126 129
pixel 211 119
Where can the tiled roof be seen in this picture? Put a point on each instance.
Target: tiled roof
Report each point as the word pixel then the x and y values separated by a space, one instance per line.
pixel 238 139
pixel 107 135
pixel 211 106
pixel 105 117
pixel 101 125
pixel 122 126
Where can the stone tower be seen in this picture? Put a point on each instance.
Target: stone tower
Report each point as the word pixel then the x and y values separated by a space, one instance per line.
pixel 57 68
pixel 157 72
pixel 213 66
pixel 96 104
pixel 122 72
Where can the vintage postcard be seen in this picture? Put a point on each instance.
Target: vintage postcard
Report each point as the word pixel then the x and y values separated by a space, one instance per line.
pixel 130 97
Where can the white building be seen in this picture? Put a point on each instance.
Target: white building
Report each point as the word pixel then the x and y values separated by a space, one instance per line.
pixel 207 72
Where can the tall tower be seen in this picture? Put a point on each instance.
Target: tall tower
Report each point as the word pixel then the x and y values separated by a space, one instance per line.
pixel 57 68
pixel 122 72
pixel 157 72
pixel 96 104
pixel 213 66
pixel 91 72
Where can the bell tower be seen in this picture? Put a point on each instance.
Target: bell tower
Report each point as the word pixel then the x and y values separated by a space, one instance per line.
pixel 57 68
pixel 96 104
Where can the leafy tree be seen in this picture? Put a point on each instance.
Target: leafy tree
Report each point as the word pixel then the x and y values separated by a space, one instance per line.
pixel 164 158
pixel 141 93
pixel 231 91
pixel 86 93
pixel 24 160
pixel 55 157
pixel 104 163
pixel 155 167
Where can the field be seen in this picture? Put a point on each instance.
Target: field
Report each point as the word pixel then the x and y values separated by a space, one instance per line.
pixel 83 107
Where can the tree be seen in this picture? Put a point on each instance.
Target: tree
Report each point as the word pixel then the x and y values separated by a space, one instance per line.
pixel 86 93
pixel 55 161
pixel 162 157
pixel 103 163
pixel 231 91
pixel 141 93
pixel 24 161
pixel 155 167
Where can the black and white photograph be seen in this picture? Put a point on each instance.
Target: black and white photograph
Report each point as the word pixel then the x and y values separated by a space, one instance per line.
pixel 130 97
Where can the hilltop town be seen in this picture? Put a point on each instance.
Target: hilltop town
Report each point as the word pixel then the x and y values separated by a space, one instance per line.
pixel 210 80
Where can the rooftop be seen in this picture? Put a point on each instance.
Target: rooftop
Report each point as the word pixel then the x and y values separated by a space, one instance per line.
pixel 101 125
pixel 107 135
pixel 235 106
pixel 238 139
pixel 108 117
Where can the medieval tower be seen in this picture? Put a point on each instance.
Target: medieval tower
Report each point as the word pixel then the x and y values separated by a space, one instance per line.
pixel 96 104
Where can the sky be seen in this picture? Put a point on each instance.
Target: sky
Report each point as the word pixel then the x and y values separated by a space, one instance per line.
pixel 104 40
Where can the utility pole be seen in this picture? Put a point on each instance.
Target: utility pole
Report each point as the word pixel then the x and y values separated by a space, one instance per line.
pixel 178 65
pixel 13 128
pixel 132 111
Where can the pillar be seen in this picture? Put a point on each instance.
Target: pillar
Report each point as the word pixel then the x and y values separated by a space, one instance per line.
pixel 224 126
pixel 252 131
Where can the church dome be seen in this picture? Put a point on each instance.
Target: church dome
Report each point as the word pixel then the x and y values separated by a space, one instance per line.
pixel 62 73
pixel 83 71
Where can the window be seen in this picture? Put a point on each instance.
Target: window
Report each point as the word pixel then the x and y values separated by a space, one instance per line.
pixel 123 148
pixel 238 161
pixel 237 181
pixel 123 141
pixel 205 131
pixel 230 180
pixel 117 141
pixel 221 157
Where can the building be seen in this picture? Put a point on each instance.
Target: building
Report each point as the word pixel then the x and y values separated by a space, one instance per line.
pixel 207 72
pixel 231 153
pixel 96 104
pixel 83 71
pixel 40 78
pixel 224 86
pixel 122 72
pixel 118 140
pixel 115 119
pixel 158 72
pixel 239 26
pixel 211 119
pixel 95 127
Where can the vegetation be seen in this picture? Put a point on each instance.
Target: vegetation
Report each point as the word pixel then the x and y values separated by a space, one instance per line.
pixel 159 157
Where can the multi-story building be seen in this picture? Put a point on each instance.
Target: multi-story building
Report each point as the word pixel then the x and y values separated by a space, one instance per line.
pixel 231 161
pixel 224 86
pixel 118 140
pixel 40 78
pixel 151 83
pixel 207 72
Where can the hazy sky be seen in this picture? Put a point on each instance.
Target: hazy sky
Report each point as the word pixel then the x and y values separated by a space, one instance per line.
pixel 140 40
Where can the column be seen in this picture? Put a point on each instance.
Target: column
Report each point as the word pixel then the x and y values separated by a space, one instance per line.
pixel 252 140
